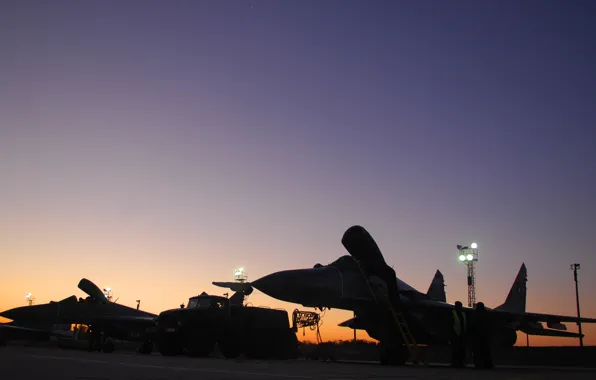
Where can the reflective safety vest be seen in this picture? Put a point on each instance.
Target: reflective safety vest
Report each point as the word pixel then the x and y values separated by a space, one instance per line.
pixel 457 324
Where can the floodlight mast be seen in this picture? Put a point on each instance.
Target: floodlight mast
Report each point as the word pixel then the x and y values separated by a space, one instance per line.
pixel 469 256
pixel 29 298
pixel 239 275
pixel 108 294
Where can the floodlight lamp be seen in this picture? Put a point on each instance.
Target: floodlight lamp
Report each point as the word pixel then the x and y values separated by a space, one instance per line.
pixel 470 257
pixel 28 295
pixel 462 258
pixel 474 246
pixel 238 271
pixel 107 289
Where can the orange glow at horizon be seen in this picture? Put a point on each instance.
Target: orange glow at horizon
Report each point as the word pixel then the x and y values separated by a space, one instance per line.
pixel 154 299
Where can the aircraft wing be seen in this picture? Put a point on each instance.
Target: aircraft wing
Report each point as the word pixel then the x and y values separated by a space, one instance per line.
pixel 552 318
pixel 557 333
pixel 527 317
pixel 11 332
pixel 121 323
pixel 120 320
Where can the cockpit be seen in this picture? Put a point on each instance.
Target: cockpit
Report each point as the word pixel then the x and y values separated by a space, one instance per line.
pixel 346 263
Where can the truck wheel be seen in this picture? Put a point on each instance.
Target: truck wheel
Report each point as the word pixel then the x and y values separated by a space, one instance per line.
pixel 286 346
pixel 200 348
pixel 259 347
pixel 168 346
pixel 229 348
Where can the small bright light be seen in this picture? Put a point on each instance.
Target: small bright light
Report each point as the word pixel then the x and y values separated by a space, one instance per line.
pixel 470 257
pixel 474 245
pixel 462 258
pixel 107 290
pixel 28 295
pixel 238 271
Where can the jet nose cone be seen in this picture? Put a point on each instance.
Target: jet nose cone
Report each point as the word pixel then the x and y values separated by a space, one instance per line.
pixel 308 287
pixel 10 314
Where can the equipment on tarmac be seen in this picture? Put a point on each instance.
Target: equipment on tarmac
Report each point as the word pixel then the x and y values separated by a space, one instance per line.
pixel 209 321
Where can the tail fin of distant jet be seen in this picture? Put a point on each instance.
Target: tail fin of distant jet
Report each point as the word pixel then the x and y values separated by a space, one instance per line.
pixel 516 299
pixel 436 290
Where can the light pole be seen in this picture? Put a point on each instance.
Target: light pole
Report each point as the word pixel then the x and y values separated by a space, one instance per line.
pixel 575 268
pixel 29 298
pixel 469 256
pixel 239 275
pixel 108 294
pixel 138 304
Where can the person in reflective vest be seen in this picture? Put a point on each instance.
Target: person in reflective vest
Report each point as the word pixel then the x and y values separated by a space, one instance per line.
pixel 459 329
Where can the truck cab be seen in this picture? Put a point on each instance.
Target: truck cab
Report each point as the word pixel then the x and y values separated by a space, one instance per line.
pixel 209 320
pixel 206 301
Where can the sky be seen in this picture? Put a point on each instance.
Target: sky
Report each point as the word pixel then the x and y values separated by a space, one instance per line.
pixel 154 146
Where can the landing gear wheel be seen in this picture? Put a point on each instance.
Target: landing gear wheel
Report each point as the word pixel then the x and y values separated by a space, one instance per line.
pixel 393 355
pixel 108 345
pixel 146 348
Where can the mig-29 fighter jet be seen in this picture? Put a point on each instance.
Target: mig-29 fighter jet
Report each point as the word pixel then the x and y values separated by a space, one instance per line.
pixel 105 318
pixel 362 282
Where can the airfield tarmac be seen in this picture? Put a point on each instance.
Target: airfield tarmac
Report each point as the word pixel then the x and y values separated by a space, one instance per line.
pixel 44 363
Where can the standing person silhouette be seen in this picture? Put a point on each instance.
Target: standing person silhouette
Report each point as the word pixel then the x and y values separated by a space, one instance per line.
pixel 458 336
pixel 481 338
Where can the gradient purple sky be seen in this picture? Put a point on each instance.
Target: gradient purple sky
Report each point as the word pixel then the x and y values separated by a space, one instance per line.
pixel 155 145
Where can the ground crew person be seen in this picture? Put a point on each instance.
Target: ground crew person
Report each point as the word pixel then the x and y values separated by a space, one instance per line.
pixel 458 336
pixel 481 338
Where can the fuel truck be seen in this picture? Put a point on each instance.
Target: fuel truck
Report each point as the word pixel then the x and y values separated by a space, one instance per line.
pixel 210 321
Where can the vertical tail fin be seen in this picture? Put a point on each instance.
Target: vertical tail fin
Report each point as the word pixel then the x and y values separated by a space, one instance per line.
pixel 436 290
pixel 516 299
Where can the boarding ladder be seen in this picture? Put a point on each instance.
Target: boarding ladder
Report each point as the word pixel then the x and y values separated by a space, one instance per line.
pixel 402 326
pixel 406 334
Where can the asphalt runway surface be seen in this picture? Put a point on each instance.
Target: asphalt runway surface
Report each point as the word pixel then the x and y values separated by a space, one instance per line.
pixel 25 363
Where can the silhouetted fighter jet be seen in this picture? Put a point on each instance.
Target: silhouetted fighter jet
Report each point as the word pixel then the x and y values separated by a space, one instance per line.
pixel 362 282
pixel 105 318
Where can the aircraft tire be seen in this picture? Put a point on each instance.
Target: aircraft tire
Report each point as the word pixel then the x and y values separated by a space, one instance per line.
pixel 393 355
pixel 146 348
pixel 108 346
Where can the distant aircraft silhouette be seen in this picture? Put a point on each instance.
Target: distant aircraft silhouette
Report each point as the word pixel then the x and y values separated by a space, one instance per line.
pixel 105 318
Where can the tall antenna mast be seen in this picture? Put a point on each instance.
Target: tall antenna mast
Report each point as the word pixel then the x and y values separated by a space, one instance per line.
pixel 469 256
